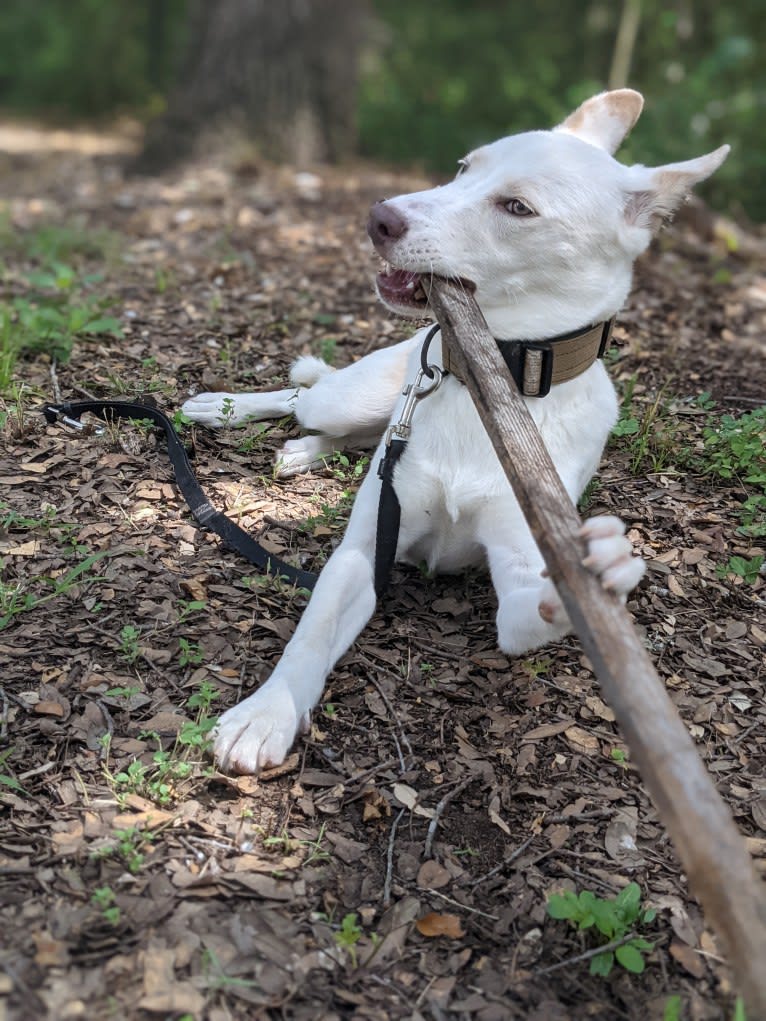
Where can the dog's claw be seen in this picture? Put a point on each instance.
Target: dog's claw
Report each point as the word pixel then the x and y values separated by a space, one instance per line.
pixel 259 731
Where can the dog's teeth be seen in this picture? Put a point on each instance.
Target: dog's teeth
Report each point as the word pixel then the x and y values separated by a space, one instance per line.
pixel 411 285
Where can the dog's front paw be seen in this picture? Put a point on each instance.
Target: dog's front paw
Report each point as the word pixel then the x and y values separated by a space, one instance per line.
pixel 610 556
pixel 301 455
pixel 214 410
pixel 259 731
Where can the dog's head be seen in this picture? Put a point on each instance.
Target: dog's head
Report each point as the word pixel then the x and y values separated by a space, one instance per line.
pixel 540 216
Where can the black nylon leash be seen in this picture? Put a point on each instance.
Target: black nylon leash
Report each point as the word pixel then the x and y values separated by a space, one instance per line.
pixel 203 511
pixel 397 436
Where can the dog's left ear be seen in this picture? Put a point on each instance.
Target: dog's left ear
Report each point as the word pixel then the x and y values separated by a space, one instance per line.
pixel 605 119
pixel 656 192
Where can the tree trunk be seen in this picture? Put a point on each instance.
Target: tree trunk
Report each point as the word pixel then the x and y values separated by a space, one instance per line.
pixel 285 71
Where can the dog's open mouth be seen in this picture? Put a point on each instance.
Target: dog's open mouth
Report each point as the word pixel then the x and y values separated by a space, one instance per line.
pixel 403 289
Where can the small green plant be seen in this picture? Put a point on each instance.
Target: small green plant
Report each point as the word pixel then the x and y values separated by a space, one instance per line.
pixel 613 920
pixel 748 570
pixel 130 845
pixel 650 435
pixel 53 303
pixel 163 779
pixel 672 1011
pixel 328 349
pixel 129 648
pixel 216 976
pixel 104 899
pixel 227 411
pixel 14 599
pixel 190 653
pixel 739 1010
pixel 589 493
pixel 348 935
pixel 537 667
pixel 123 691
pixel 8 779
pixel 735 451
pixel 618 755
pixel 187 607
pixel 316 851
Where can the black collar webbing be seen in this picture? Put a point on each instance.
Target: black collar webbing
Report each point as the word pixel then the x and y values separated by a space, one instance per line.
pixel 204 513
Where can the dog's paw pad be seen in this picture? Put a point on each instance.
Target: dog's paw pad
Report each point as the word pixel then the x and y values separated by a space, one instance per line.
pixel 258 732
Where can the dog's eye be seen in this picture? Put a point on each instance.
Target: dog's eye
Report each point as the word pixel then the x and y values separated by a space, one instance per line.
pixel 518 208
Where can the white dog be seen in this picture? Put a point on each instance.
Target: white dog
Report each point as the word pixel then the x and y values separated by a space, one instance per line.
pixel 544 226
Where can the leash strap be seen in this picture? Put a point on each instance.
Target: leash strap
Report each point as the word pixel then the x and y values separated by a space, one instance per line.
pixel 203 511
pixel 389 509
pixel 389 516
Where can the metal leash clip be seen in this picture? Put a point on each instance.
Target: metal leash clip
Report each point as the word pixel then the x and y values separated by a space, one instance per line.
pixel 54 414
pixel 413 393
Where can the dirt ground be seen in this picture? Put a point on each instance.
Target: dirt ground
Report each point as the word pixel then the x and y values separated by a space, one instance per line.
pixel 442 789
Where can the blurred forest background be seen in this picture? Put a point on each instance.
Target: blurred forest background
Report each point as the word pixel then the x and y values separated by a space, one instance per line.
pixel 408 82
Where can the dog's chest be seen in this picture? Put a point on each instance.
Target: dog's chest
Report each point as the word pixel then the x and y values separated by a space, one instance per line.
pixel 449 479
pixel 448 474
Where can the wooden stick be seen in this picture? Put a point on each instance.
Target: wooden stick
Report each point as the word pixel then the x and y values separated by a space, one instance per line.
pixel 711 850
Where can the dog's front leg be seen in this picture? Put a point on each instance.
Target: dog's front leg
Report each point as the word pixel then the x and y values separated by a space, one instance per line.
pixel 259 731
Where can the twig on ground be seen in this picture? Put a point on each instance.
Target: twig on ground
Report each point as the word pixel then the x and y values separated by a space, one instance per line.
pixel 504 863
pixel 390 860
pixel 438 813
pixel 394 720
pixel 584 956
pixel 55 381
pixel 464 907
pixel 109 728
pixel 3 714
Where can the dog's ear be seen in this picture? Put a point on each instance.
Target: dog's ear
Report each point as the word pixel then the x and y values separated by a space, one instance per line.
pixel 605 119
pixel 657 192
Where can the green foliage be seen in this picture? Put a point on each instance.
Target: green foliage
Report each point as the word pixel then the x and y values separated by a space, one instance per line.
pixel 747 569
pixel 672 1011
pixel 130 845
pixel 8 779
pixel 648 433
pixel 434 87
pixel 348 935
pixel 735 451
pixel 87 57
pixel 15 598
pixel 163 779
pixel 190 653
pixel 428 95
pixel 104 899
pixel 129 648
pixel 57 304
pixel 612 920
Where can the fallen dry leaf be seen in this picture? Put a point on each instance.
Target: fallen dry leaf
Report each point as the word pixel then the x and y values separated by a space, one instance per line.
pixel 434 924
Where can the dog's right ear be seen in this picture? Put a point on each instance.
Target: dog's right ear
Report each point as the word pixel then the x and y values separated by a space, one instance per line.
pixel 604 120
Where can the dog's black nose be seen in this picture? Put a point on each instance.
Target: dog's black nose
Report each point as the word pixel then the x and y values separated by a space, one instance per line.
pixel 385 224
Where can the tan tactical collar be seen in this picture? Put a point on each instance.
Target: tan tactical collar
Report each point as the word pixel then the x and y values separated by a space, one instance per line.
pixel 537 365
